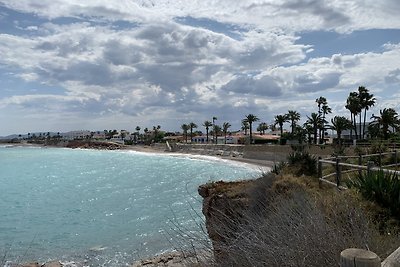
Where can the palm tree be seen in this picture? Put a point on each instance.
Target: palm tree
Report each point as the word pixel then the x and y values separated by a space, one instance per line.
pixel 309 129
pixel 185 129
pixel 146 136
pixel 213 123
pixel 216 132
pixel 293 116
pixel 353 105
pixel 315 121
pixel 325 109
pixel 137 133
pixel 262 127
pixel 280 120
pixel 367 100
pixel 192 125
pixel 250 118
pixel 339 124
pixel 321 101
pixel 207 124
pixel 225 127
pixel 388 118
pixel 245 126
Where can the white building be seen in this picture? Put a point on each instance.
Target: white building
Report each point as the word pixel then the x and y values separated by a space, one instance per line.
pixel 76 135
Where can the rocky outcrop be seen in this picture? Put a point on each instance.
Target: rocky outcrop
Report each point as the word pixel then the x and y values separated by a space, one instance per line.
pixel 224 206
pixel 223 203
pixel 173 259
pixel 93 145
pixel 36 264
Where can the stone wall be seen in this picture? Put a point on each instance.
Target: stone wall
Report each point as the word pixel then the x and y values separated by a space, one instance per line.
pixel 274 153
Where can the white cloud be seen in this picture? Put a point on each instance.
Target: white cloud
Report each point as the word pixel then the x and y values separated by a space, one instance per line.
pixel 289 15
pixel 160 63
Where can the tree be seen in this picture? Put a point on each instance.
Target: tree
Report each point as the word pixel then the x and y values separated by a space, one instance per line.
pixel 323 110
pixel 262 127
pixel 157 135
pixel 245 126
pixel 192 126
pixel 250 118
pixel 321 101
pixel 309 130
pixel 225 127
pixel 339 124
pixel 216 132
pixel 293 116
pixel 185 129
pixel 207 124
pixel 213 122
pixel 315 121
pixel 353 105
pixel 280 120
pixel 388 118
pixel 137 133
pixel 367 100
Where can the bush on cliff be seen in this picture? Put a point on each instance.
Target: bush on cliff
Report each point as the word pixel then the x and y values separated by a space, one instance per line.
pixel 303 163
pixel 287 221
pixel 382 188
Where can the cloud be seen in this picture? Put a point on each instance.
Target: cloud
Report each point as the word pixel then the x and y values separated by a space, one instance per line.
pixel 330 15
pixel 288 15
pixel 174 58
pixel 244 84
pixel 393 76
pixel 150 60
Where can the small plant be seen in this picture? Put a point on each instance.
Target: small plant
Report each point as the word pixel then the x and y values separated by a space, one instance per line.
pixel 277 168
pixel 338 150
pixel 304 163
pixel 382 188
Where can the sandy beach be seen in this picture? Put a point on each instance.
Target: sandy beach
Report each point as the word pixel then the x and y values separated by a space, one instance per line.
pixel 258 163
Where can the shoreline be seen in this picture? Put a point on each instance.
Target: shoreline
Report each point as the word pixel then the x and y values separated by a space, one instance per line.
pixel 254 162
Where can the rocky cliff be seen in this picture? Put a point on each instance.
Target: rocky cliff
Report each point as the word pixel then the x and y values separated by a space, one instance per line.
pixel 226 206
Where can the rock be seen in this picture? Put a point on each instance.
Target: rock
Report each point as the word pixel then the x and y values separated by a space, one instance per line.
pixel 173 259
pixel 30 264
pixel 52 264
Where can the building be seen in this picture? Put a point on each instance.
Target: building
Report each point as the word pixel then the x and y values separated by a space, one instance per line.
pixel 73 135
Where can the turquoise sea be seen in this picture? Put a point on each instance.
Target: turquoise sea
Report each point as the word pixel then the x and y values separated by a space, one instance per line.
pixel 100 208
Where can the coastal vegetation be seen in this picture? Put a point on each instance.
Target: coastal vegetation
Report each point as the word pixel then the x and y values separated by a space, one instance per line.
pixel 292 218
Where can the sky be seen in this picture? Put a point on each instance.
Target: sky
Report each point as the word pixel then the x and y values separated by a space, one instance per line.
pixel 99 64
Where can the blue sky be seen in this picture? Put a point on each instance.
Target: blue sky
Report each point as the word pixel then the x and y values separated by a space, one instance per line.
pixel 94 65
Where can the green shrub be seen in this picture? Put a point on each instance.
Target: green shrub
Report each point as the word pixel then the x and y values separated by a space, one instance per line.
pixel 304 163
pixel 278 167
pixel 382 188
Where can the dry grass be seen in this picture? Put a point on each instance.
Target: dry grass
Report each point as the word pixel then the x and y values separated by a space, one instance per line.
pixel 289 221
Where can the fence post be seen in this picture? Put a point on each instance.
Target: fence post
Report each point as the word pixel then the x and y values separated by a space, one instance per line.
pixel 370 164
pixel 395 157
pixel 338 172
pixel 380 158
pixel 392 260
pixel 319 170
pixel 355 257
pixel 360 164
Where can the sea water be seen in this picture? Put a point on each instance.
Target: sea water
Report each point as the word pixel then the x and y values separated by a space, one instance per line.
pixel 100 208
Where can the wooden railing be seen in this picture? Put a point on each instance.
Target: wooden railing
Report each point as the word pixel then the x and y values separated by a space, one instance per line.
pixel 339 163
pixel 354 257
